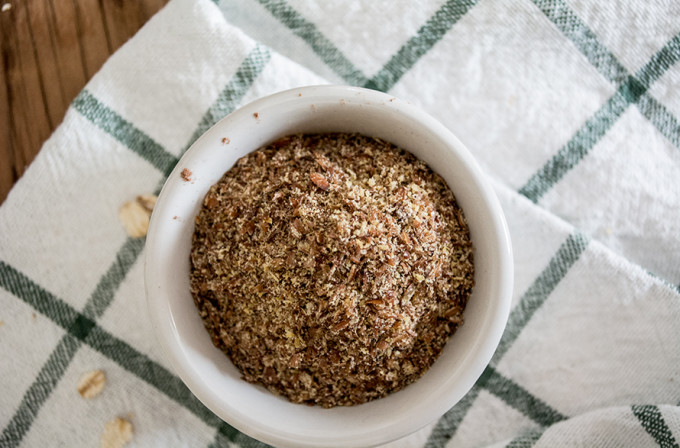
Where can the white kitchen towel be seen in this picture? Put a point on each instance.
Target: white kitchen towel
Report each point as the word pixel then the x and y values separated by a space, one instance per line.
pixel 570 106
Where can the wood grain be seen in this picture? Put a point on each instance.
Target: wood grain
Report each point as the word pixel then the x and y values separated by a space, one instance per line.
pixel 50 49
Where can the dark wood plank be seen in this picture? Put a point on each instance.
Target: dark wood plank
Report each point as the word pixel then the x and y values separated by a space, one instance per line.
pixel 8 173
pixel 42 39
pixel 70 61
pixel 50 49
pixel 92 35
pixel 30 119
pixel 123 19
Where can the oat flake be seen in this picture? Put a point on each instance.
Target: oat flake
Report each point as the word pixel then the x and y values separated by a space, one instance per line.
pixel 116 433
pixel 91 384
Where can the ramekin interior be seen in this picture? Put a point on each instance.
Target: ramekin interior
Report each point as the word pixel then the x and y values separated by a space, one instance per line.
pixel 209 373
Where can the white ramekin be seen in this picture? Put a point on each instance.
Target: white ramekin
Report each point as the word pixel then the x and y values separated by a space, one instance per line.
pixel 210 374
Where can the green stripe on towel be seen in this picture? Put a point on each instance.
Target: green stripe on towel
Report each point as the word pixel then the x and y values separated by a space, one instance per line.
pixel 233 93
pixel 527 439
pixel 45 382
pixel 84 329
pixel 448 424
pixel 321 45
pixel 519 398
pixel 125 132
pixel 83 326
pixel 633 91
pixel 558 267
pixel 428 35
pixel 559 13
pixel 651 419
pixel 539 291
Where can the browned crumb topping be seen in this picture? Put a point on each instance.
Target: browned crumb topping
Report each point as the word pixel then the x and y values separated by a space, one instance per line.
pixel 186 174
pixel 331 268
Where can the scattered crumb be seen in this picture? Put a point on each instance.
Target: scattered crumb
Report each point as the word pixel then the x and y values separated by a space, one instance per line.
pixel 186 174
pixel 313 107
pixel 34 316
pixel 299 94
pixel 256 115
pixel 319 180
pixel 1 323
pixel 6 7
pixel 91 384
pixel 342 101
pixel 116 433
pixel 392 99
pixel 174 217
pixel 225 141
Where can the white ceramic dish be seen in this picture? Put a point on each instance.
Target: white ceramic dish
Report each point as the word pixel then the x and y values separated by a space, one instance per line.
pixel 209 373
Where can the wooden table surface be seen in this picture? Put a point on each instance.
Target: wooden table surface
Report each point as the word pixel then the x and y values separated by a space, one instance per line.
pixel 50 49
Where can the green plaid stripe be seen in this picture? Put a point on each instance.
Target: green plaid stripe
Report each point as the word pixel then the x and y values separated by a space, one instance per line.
pixel 77 327
pixel 21 286
pixel 539 291
pixel 147 370
pixel 576 149
pixel 660 62
pixel 558 266
pixel 660 117
pixel 321 45
pixel 584 39
pixel 651 419
pixel 631 90
pixel 519 398
pixel 108 285
pixel 416 47
pixel 224 436
pixel 233 93
pixel 505 389
pixel 649 416
pixel 527 439
pixel 123 131
pixel 406 57
pixel 447 425
pixel 82 327
pixel 47 379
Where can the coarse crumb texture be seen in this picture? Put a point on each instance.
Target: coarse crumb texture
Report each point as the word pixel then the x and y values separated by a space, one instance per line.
pixel 331 268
